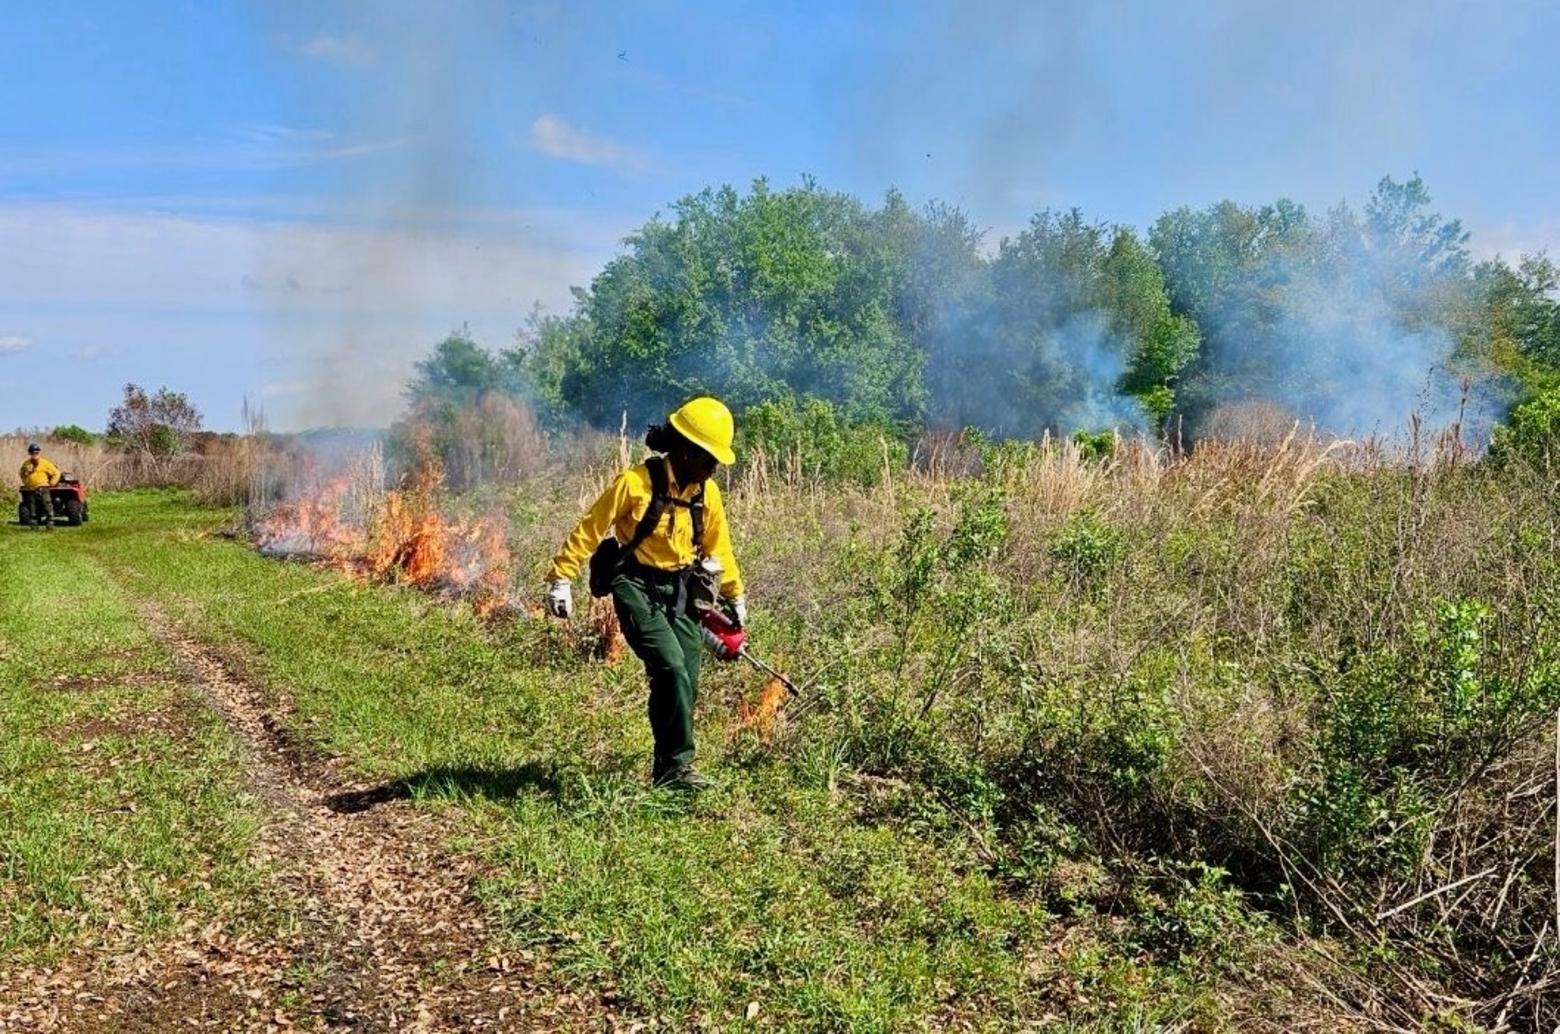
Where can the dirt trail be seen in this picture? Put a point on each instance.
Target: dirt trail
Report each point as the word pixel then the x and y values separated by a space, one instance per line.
pixel 388 937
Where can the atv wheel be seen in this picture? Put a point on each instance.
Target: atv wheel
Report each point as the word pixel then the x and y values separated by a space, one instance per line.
pixel 23 513
pixel 73 512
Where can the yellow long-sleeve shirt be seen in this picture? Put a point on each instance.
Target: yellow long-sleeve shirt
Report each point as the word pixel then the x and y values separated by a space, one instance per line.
pixel 670 546
pixel 38 472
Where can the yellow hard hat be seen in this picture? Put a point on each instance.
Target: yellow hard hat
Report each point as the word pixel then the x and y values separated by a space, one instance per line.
pixel 706 422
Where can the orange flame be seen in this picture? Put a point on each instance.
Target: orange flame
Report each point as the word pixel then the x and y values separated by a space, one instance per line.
pixel 404 540
pixel 762 716
pixel 309 526
pixel 604 640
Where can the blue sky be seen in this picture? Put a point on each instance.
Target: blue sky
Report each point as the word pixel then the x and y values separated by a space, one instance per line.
pixel 292 201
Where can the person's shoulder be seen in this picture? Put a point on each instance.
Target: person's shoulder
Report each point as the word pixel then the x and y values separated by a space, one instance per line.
pixel 712 491
pixel 637 477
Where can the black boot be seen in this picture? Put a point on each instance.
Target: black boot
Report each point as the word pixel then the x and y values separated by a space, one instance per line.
pixel 683 778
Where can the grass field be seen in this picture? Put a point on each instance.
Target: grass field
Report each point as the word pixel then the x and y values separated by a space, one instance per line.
pixel 904 857
pixel 126 818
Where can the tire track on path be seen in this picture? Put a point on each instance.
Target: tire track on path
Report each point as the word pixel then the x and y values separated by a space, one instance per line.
pixel 389 936
pixel 382 901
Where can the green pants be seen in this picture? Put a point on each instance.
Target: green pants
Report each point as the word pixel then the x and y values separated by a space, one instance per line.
pixel 39 508
pixel 669 641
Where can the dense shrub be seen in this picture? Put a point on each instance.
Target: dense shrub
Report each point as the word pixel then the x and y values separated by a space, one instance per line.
pixel 812 439
pixel 1532 430
pixel 1289 679
pixel 73 434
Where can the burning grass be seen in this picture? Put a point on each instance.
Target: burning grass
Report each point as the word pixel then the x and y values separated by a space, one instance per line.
pixel 394 537
pixel 761 716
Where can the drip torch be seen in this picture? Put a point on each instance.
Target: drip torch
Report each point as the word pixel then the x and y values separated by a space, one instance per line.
pixel 722 634
pixel 729 641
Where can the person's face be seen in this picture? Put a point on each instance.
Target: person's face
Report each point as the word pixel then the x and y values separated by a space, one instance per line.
pixel 694 465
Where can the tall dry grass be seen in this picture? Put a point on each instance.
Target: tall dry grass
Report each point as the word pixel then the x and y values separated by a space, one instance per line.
pixel 223 471
pixel 106 469
pixel 1323 667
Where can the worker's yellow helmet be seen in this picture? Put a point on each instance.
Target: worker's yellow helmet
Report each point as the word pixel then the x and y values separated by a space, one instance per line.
pixel 706 422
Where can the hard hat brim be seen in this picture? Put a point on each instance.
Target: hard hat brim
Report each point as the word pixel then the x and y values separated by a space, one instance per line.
pixel 722 453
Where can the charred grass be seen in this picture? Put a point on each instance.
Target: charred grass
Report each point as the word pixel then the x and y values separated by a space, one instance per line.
pixel 1260 737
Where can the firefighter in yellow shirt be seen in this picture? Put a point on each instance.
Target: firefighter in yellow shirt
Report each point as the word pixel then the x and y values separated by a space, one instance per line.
pixel 38 476
pixel 667 525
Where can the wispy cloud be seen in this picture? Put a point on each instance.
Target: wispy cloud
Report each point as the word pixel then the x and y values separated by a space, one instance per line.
pixel 343 51
pixel 248 148
pixel 554 137
pixel 275 133
pixel 88 353
pixel 1510 240
pixel 12 344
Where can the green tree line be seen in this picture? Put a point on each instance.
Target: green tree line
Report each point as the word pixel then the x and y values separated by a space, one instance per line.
pixel 807 307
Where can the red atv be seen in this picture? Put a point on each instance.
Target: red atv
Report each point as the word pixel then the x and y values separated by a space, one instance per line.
pixel 67 502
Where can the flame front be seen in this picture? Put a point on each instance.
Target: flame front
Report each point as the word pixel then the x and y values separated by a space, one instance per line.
pixel 608 633
pixel 401 538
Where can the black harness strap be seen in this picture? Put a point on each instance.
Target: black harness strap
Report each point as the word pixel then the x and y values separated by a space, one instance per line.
pixel 611 558
pixel 660 498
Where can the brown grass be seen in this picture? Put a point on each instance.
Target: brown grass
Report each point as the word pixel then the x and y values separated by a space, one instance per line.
pixel 1262 579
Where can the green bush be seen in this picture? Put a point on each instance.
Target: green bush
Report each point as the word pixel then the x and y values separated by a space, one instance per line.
pixel 824 444
pixel 73 433
pixel 1532 431
pixel 1188 910
pixel 1095 445
pixel 1401 732
pixel 1000 458
pixel 1087 548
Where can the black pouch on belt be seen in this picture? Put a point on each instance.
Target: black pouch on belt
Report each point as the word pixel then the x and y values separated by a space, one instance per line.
pixel 604 566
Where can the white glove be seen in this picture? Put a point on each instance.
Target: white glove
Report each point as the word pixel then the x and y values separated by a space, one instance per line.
pixel 560 599
pixel 739 610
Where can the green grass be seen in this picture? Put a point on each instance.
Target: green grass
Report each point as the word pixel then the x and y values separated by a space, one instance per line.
pixel 779 888
pixel 122 811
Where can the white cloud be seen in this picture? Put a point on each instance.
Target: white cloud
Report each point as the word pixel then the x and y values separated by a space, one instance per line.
pixel 1512 240
pixel 12 344
pixel 344 51
pixel 170 291
pixel 87 353
pixel 272 132
pixel 554 137
pixel 145 260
